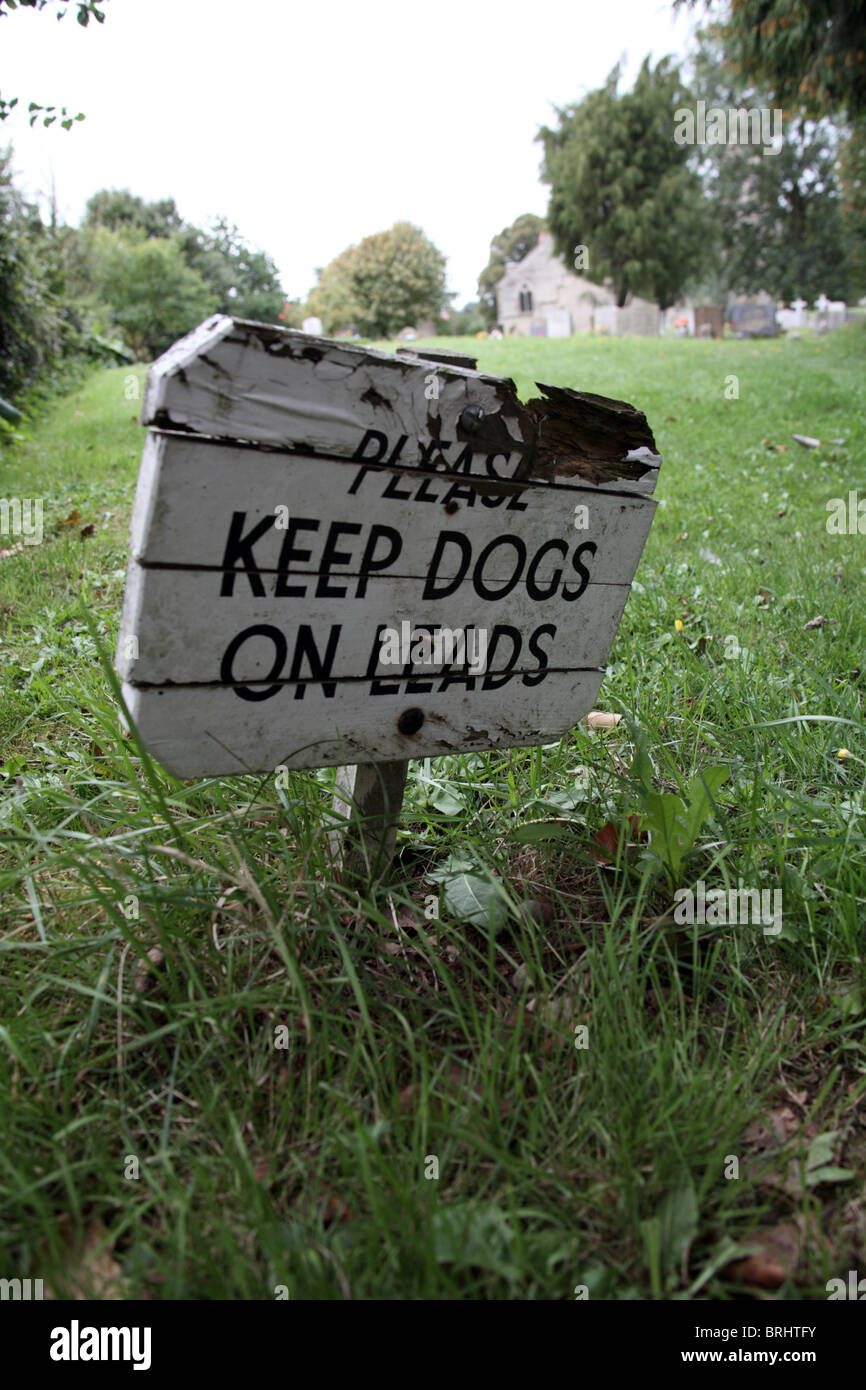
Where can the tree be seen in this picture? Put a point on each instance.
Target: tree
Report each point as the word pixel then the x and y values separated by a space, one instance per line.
pixel 153 294
pixel 333 298
pixel 85 10
pixel 399 278
pixel 245 279
pixel 623 188
pixel 778 215
pixel 389 281
pixel 852 184
pixel 30 326
pixel 465 322
pixel 118 209
pixel 512 244
pixel 809 54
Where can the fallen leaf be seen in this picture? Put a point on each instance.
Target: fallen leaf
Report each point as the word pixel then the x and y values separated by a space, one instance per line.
pixel 606 840
pixel 92 1272
pixel 774 1262
pixel 773 1129
pixel 807 441
pixel 87 531
pixel 820 621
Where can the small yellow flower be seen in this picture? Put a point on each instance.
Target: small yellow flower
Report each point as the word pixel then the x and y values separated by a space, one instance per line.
pixel 843 754
pixel 678 625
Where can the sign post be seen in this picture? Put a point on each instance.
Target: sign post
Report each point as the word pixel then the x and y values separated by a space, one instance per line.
pixel 344 557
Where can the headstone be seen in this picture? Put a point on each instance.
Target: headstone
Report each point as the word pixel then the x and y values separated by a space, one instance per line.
pixel 753 320
pixel 559 323
pixel 821 322
pixel 837 313
pixel 638 320
pixel 605 319
pixel 312 325
pixel 709 321
pixel 343 556
pixel 799 307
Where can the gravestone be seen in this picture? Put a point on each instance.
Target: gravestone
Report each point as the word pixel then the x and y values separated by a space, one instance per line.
pixel 753 320
pixel 305 504
pixel 559 323
pixel 709 321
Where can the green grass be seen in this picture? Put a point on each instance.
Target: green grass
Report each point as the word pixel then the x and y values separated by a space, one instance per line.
pixel 159 938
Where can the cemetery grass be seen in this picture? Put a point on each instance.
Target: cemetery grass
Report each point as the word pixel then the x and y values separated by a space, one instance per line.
pixel 224 1075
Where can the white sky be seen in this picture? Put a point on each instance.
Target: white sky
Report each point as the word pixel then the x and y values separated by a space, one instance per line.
pixel 312 123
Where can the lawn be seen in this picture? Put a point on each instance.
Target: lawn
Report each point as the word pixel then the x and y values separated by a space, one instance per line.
pixel 509 1072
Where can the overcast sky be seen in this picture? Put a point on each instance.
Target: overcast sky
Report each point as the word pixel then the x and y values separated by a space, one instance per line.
pixel 311 125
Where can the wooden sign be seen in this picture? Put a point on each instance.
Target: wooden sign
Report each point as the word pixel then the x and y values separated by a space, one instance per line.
pixel 340 556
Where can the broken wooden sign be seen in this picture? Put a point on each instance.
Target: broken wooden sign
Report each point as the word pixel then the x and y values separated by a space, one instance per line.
pixel 340 556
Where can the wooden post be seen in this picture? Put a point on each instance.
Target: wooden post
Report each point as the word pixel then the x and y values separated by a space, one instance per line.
pixel 371 795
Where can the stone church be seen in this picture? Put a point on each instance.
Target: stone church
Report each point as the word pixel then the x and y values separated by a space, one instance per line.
pixel 539 297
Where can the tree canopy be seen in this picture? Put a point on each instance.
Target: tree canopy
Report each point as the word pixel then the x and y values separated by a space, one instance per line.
pixel 621 187
pixel 809 54
pixel 240 279
pixel 778 216
pixel 389 281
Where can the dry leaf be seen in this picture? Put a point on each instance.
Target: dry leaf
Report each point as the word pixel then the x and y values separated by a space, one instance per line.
pixel 92 1272
pixel 773 1130
pixel 775 1262
pixel 606 840
pixel 142 978
pixel 820 621
pixel 807 441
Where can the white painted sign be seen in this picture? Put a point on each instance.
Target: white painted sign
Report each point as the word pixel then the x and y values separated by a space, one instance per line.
pixel 342 556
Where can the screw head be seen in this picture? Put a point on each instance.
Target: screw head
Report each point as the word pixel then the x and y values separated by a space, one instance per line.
pixel 471 419
pixel 410 721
